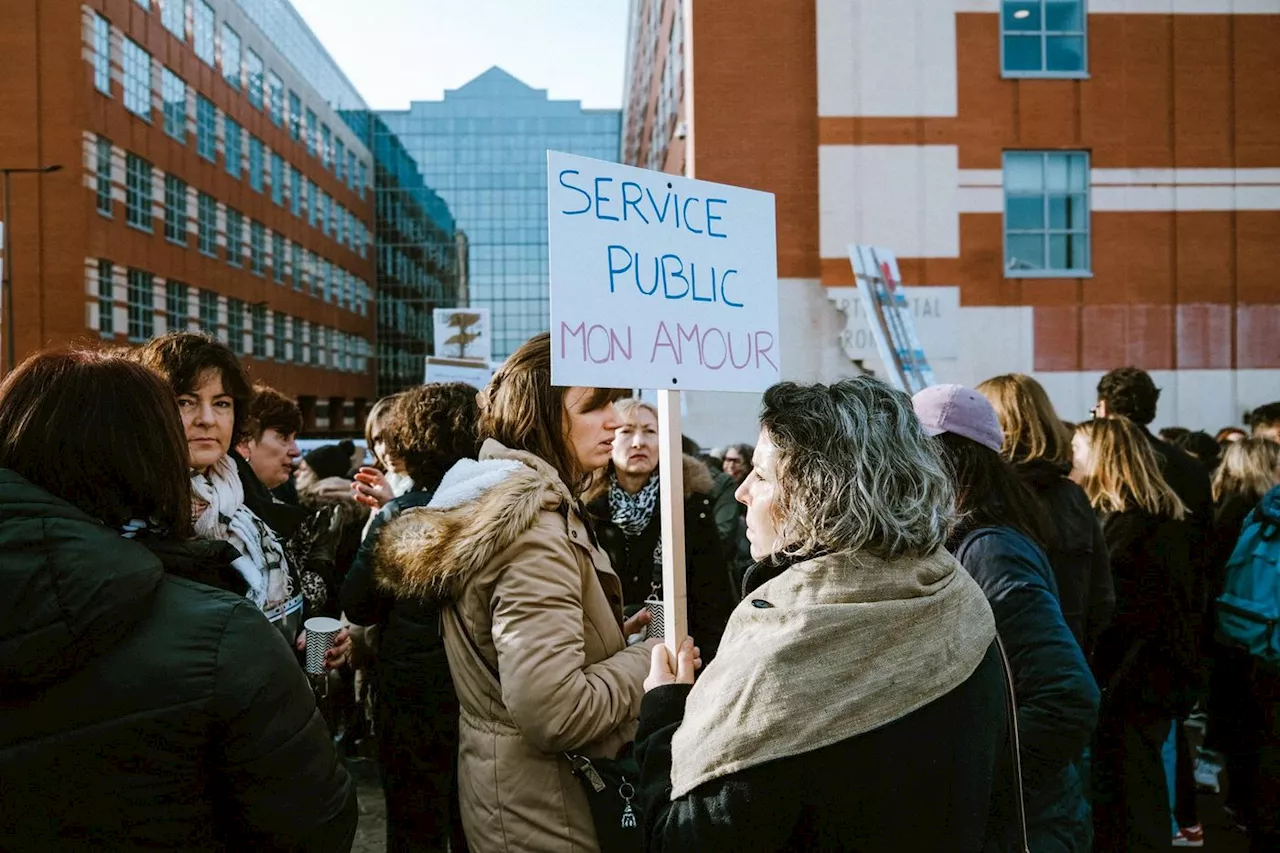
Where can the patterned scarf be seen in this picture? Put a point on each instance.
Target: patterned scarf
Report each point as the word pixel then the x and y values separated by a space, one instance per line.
pixel 631 513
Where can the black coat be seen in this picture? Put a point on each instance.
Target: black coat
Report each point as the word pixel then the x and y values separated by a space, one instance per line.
pixel 1189 480
pixel 143 709
pixel 708 583
pixel 1078 552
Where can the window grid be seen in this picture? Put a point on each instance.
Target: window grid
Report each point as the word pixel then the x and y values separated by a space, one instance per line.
pixel 275 98
pixel 297 340
pixel 137 80
pixel 175 209
pixel 106 299
pixel 255 164
pixel 207 224
pixel 1046 217
pixel 138 192
pixel 206 129
pixel 277 179
pixel 102 54
pixel 260 330
pixel 311 133
pixel 173 91
pixel 141 302
pixel 326 146
pixel 209 311
pixel 233 154
pixel 230 56
pixel 235 325
pixel 173 14
pixel 235 237
pixel 1043 38
pixel 277 336
pixel 295 116
pixel 253 70
pixel 257 247
pixel 104 175
pixel 339 157
pixel 175 306
pixel 295 191
pixel 295 262
pixel 202 32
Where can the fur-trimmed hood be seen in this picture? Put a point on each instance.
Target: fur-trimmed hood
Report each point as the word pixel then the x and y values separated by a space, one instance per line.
pixel 697 480
pixel 478 511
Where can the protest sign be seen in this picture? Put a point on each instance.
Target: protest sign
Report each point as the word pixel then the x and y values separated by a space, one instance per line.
pixel 660 281
pixel 462 333
pixel 474 373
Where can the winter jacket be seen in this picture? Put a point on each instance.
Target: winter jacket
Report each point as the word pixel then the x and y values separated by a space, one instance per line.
pixel 1147 656
pixel 534 639
pixel 923 782
pixel 709 586
pixel 1078 552
pixel 1057 696
pixel 731 524
pixel 140 709
pixel 1189 479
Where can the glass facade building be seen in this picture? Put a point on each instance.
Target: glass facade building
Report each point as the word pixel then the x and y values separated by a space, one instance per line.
pixel 484 150
pixel 416 246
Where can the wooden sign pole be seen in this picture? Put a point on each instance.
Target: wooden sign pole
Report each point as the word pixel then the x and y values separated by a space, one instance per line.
pixel 671 474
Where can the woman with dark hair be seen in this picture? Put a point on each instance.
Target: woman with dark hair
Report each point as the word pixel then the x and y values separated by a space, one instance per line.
pixel 213 395
pixel 1146 659
pixel 1000 541
pixel 1038 444
pixel 532 610
pixel 429 429
pixel 857 701
pixel 375 485
pixel 142 707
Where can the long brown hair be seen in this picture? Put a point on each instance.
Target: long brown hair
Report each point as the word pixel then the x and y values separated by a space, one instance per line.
pixel 522 410
pixel 989 492
pixel 183 358
pixel 1249 469
pixel 1123 473
pixel 101 432
pixel 1032 429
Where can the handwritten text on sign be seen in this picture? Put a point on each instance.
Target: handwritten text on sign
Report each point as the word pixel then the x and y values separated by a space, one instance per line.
pixel 659 281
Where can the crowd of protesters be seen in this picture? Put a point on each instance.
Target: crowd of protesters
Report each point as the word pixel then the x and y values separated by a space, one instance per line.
pixel 947 622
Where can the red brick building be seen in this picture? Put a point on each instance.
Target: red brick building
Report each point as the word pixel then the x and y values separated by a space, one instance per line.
pixel 207 182
pixel 1071 185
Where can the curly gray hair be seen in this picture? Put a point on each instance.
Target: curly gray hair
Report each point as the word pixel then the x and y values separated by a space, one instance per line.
pixel 855 471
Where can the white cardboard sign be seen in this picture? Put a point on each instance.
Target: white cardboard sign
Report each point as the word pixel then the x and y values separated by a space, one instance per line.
pixel 474 373
pixel 659 281
pixel 462 333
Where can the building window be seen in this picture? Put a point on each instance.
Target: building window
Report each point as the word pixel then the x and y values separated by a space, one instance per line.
pixel 106 300
pixel 317 345
pixel 102 54
pixel 173 14
pixel 255 163
pixel 313 209
pixel 174 92
pixel 326 146
pixel 137 192
pixel 339 157
pixel 233 152
pixel 295 191
pixel 104 175
pixel 351 170
pixel 137 80
pixel 257 248
pixel 230 56
pixel 277 256
pixel 324 277
pixel 175 209
pixel 361 183
pixel 297 339
pixel 175 305
pixel 206 129
pixel 207 224
pixel 277 178
pixel 235 237
pixel 275 98
pixel 253 69
pixel 295 263
pixel 142 308
pixel 1046 219
pixel 235 325
pixel 1043 38
pixel 326 211
pixel 259 331
pixel 311 133
pixel 295 116
pixel 209 311
pixel 202 31
pixel 277 336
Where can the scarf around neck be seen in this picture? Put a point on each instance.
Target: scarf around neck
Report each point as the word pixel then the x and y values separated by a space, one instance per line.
pixel 221 515
pixel 631 513
pixel 827 650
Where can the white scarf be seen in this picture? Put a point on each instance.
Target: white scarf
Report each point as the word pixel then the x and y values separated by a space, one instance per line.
pixel 225 518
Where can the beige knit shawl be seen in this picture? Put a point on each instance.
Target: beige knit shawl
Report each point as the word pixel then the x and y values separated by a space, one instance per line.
pixel 852 642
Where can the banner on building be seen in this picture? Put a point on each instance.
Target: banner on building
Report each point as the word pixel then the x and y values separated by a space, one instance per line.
pixel 463 333
pixel 888 313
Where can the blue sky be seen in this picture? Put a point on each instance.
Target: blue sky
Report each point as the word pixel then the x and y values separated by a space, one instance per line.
pixel 395 51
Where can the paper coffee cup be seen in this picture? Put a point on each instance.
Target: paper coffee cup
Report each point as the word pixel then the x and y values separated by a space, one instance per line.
pixel 321 631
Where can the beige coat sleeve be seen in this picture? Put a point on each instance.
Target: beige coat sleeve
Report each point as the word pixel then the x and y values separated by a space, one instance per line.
pixel 556 699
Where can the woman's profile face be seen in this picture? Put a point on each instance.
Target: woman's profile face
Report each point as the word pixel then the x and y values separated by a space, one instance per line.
pixel 757 493
pixel 1079 457
pixel 589 434
pixel 208 418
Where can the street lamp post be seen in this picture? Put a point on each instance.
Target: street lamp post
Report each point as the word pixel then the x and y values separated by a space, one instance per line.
pixel 7 245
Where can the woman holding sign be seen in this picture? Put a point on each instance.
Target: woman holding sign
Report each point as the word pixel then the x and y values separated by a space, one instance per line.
pixel 857 701
pixel 533 618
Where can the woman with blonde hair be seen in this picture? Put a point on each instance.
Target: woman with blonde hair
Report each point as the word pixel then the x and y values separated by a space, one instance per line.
pixel 1038 444
pixel 531 609
pixel 1145 660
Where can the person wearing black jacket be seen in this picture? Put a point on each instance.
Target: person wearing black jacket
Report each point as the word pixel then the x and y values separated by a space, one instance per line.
pixel 623 507
pixel 428 429
pixel 146 703
pixel 1146 659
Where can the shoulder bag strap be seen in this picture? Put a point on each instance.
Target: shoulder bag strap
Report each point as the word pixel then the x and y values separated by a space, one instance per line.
pixel 1015 742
